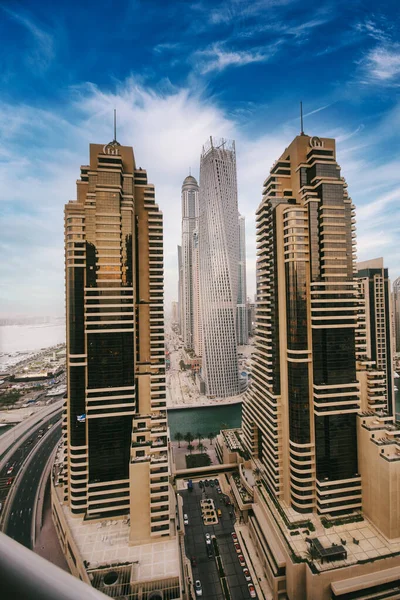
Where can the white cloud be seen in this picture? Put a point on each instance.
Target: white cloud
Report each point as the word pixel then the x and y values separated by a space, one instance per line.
pixel 42 51
pixel 382 65
pixel 217 58
pixel 167 128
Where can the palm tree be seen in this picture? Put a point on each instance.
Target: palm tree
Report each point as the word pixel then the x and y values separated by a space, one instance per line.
pixel 211 436
pixel 257 472
pixel 189 438
pixel 179 438
pixel 190 447
pixel 199 436
pixel 201 447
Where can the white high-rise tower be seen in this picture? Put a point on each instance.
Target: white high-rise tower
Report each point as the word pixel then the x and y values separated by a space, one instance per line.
pixel 242 327
pixel 218 258
pixel 190 214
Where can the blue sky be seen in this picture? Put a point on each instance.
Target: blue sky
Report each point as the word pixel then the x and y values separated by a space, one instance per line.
pixel 178 72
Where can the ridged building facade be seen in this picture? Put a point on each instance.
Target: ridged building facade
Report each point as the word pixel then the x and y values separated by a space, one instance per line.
pixel 396 312
pixel 242 326
pixel 189 275
pixel 218 262
pixel 300 412
pixel 115 424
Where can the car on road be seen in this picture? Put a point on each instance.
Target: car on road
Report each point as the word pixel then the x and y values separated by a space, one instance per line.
pixel 193 561
pixel 10 470
pixel 246 574
pixel 241 560
pixel 9 481
pixel 252 590
pixel 208 538
pixel 185 519
pixel 209 551
pixel 198 588
pixel 219 512
pixel 40 435
pixel 234 536
pixel 238 548
pixel 227 502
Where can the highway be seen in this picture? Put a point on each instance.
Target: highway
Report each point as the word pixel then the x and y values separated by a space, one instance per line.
pixel 21 512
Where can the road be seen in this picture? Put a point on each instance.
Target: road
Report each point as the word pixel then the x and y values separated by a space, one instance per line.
pixel 21 511
pixel 195 546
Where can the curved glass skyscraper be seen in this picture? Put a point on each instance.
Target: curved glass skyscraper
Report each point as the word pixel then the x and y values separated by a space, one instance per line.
pixel 218 258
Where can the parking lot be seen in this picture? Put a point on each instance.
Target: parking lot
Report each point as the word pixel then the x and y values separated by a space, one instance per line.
pixel 195 545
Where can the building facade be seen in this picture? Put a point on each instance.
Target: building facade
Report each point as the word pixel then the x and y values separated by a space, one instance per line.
pixel 115 424
pixel 197 327
pixel 190 217
pixel 242 326
pixel 374 287
pixel 180 289
pixel 316 422
pixel 396 312
pixel 300 414
pixel 218 261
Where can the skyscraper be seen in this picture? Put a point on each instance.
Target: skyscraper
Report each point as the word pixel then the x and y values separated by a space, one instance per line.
pixel 242 313
pixel 115 422
pixel 218 258
pixel 197 327
pixel 300 413
pixel 396 312
pixel 180 289
pixel 374 286
pixel 190 214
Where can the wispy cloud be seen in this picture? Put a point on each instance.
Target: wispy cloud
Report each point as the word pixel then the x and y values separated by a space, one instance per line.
pixel 382 64
pixel 217 57
pixel 42 51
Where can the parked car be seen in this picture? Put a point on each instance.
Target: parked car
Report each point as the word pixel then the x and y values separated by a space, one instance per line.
pixel 211 483
pixel 193 561
pixel 206 483
pixel 209 551
pixel 208 538
pixel 197 587
pixel 238 548
pixel 241 560
pixel 185 519
pixel 10 470
pixel 216 482
pixel 246 574
pixel 252 590
pixel 219 490
pixel 201 484
pixel 234 536
pixel 219 512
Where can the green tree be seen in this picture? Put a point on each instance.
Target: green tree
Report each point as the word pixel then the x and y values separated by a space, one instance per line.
pixel 178 438
pixel 201 447
pixel 257 472
pixel 190 447
pixel 211 436
pixel 189 438
pixel 199 436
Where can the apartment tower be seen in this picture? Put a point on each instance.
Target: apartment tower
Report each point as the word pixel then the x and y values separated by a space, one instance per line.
pixel 374 288
pixel 242 313
pixel 396 312
pixel 218 262
pixel 300 412
pixel 190 216
pixel 115 425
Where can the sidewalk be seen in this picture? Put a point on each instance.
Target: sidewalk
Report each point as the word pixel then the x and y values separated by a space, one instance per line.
pixel 47 544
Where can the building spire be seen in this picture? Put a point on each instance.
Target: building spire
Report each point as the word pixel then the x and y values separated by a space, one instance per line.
pixel 115 125
pixel 301 119
pixel 190 170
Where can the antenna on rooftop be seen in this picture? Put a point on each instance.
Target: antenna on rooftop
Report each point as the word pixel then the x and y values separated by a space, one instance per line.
pixel 115 124
pixel 301 119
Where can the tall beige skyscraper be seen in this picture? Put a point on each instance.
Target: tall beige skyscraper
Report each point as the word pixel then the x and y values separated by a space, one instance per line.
pixel 318 418
pixel 115 426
